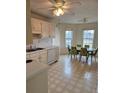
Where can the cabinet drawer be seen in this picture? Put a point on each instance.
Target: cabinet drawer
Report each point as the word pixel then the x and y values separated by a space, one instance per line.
pixel 35 54
pixel 27 56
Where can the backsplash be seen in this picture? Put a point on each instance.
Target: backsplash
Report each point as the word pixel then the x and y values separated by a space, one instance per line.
pixel 46 42
pixel 43 43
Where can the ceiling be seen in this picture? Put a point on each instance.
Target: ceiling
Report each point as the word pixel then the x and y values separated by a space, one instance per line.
pixel 79 11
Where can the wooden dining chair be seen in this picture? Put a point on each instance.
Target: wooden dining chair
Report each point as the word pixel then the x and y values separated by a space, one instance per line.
pixel 83 52
pixel 69 50
pixel 94 53
pixel 73 51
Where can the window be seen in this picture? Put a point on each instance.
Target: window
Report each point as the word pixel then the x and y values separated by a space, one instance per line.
pixel 88 36
pixel 68 38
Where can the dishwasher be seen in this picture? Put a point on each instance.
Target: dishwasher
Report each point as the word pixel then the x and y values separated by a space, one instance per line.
pixel 53 55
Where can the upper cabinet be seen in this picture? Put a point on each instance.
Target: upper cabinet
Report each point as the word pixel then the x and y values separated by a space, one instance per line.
pixel 43 28
pixel 36 26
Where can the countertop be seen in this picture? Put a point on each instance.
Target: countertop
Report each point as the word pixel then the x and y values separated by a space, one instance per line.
pixel 34 68
pixel 45 49
pixel 50 47
pixel 36 51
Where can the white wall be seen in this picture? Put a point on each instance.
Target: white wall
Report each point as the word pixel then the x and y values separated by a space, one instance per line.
pixel 96 38
pixel 56 40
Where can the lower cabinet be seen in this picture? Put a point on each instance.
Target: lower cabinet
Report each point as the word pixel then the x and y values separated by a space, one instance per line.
pixel 37 84
pixel 47 56
pixel 38 56
pixel 37 81
pixel 33 56
pixel 43 57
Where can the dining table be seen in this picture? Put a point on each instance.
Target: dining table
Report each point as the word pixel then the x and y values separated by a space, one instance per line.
pixel 91 50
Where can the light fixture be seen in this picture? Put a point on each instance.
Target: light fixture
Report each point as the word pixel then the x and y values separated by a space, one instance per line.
pixel 58 11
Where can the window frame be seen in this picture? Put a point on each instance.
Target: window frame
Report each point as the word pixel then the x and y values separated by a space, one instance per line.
pixel 68 38
pixel 88 39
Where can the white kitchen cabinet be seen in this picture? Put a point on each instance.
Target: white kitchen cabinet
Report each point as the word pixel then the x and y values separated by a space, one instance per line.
pixel 35 56
pixel 43 56
pixel 36 78
pixel 38 84
pixel 27 56
pixel 46 56
pixel 45 29
pixel 36 26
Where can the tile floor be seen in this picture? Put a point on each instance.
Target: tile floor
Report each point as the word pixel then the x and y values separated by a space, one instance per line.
pixel 68 75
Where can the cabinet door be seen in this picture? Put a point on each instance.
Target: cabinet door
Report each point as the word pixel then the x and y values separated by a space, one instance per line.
pixel 38 83
pixel 27 56
pixel 43 58
pixel 36 26
pixel 35 56
pixel 45 29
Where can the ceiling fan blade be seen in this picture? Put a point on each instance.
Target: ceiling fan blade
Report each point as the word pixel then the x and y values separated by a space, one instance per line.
pixel 49 8
pixel 73 3
pixel 68 12
pixel 66 7
pixel 43 8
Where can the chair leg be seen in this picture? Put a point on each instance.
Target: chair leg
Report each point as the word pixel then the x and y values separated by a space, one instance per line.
pixel 95 58
pixel 74 56
pixel 87 59
pixel 80 58
pixel 68 53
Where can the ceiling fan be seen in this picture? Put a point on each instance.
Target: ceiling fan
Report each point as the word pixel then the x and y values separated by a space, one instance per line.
pixel 60 7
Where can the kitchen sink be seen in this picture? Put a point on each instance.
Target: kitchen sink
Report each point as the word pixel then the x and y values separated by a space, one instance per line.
pixel 33 49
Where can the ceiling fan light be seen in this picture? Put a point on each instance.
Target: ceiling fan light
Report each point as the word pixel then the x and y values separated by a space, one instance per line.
pixel 60 10
pixel 55 12
pixel 62 13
